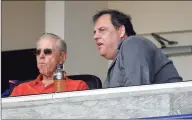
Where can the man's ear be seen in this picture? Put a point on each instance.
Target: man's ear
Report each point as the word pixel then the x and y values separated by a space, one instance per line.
pixel 63 56
pixel 122 31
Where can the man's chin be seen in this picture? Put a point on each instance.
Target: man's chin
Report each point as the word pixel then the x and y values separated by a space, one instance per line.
pixel 106 57
pixel 103 55
pixel 43 73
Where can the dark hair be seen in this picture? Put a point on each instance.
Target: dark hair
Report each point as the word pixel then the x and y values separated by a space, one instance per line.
pixel 117 19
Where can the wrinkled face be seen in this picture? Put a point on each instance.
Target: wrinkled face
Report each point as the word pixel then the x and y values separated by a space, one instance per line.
pixel 48 56
pixel 107 37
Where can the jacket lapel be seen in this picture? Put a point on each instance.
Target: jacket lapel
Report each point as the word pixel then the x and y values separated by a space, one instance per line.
pixel 113 62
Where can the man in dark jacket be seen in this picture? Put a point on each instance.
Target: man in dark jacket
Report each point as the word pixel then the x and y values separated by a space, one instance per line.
pixel 136 60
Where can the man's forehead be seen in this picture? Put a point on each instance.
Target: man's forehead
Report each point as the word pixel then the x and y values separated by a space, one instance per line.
pixel 47 39
pixel 47 42
pixel 102 21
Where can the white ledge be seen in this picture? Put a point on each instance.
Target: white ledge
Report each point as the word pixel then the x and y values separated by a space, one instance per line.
pixel 142 88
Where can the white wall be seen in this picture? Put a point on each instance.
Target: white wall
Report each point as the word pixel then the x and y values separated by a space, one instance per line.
pixel 55 17
pixel 157 16
pixel 22 23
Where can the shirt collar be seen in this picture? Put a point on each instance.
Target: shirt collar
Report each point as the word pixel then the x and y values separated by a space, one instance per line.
pixel 40 77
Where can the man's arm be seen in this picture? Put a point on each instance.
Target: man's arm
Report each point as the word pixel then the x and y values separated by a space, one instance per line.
pixel 144 63
pixel 15 91
pixel 167 74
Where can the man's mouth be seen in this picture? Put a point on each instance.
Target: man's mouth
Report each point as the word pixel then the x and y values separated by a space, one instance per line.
pixel 42 63
pixel 99 44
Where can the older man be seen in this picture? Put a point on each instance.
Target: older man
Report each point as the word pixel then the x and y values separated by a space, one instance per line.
pixel 136 60
pixel 51 50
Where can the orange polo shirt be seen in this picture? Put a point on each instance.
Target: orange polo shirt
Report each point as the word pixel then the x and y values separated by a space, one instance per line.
pixel 37 87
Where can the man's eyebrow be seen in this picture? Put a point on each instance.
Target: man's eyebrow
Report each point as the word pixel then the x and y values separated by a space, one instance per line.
pixel 102 27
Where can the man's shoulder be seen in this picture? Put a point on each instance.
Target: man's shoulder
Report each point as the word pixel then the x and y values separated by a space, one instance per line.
pixel 24 83
pixel 138 43
pixel 139 40
pixel 20 87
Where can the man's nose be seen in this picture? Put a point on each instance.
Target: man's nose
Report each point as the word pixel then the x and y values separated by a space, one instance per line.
pixel 96 36
pixel 41 55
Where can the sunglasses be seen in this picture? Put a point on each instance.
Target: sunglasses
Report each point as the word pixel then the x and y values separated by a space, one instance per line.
pixel 45 51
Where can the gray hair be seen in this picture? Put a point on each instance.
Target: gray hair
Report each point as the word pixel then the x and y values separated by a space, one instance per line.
pixel 61 44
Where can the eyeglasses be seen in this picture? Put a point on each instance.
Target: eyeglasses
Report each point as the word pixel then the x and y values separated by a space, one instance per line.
pixel 46 51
